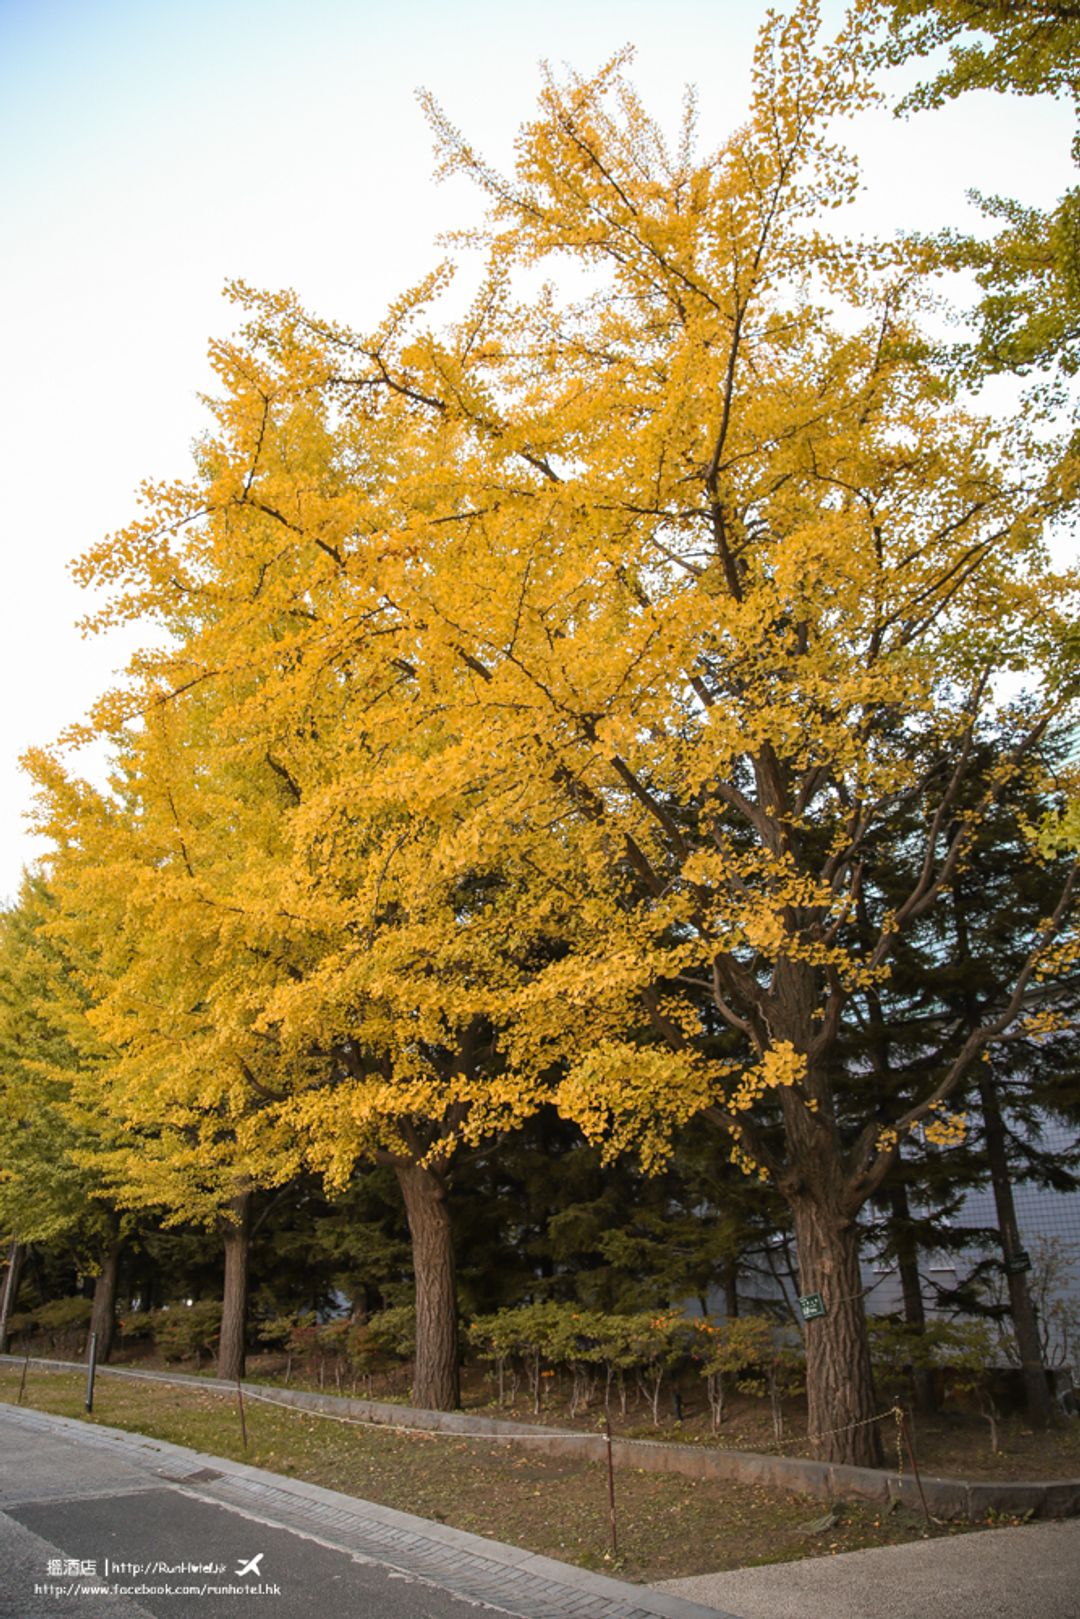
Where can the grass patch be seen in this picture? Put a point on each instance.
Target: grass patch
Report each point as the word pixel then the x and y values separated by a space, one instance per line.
pixel 669 1526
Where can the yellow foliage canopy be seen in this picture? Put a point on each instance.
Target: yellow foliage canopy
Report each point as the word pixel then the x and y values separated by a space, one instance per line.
pixel 596 641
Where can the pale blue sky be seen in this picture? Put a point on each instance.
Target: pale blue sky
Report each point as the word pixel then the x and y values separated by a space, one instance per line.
pixel 152 149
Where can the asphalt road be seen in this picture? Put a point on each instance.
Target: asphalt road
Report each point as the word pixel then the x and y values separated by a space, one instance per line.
pixel 95 1524
pixel 166 1552
pixel 149 1541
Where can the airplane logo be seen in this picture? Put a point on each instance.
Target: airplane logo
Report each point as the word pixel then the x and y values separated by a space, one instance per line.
pixel 251 1567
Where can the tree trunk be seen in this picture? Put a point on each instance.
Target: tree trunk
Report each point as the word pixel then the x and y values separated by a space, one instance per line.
pixel 146 1280
pixel 435 1384
pixel 235 1234
pixel 731 1289
pixel 906 1249
pixel 10 1290
pixel 840 1397
pixel 1040 1408
pixel 103 1313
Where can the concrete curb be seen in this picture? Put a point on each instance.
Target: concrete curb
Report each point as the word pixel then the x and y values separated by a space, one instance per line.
pixel 263 1493
pixel 961 1500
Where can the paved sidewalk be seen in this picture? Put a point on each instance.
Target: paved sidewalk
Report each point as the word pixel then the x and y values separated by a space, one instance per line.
pixel 85 1460
pixel 1031 1572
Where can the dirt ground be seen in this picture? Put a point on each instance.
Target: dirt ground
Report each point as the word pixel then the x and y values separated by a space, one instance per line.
pixel 955 1441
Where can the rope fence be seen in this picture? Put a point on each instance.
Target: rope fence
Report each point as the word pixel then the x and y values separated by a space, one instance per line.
pixel 545 1436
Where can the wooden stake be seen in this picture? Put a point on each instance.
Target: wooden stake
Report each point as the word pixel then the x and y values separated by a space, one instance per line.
pixel 906 1431
pixel 22 1379
pixel 240 1407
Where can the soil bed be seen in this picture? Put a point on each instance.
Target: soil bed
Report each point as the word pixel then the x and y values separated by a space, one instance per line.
pixel 952 1443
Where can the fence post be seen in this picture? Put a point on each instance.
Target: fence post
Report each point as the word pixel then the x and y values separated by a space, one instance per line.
pixel 611 1489
pixel 91 1368
pixel 240 1407
pixel 906 1431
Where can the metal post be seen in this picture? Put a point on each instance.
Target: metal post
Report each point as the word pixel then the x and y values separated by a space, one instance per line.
pixel 611 1490
pixel 22 1379
pixel 91 1368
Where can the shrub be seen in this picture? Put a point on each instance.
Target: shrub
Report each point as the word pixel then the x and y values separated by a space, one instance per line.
pixel 139 1324
pixel 564 1336
pixel 730 1351
pixel 63 1322
pixel 187 1331
pixel 386 1338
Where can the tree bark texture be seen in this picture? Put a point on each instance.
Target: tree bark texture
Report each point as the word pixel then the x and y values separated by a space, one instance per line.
pixel 1037 1398
pixel 840 1397
pixel 236 1235
pixel 10 1290
pixel 103 1312
pixel 436 1384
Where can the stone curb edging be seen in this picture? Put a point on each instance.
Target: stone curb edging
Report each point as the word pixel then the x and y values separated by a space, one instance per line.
pixel 948 1498
pixel 586 1589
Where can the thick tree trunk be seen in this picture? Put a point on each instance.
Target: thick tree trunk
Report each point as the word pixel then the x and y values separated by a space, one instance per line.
pixel 907 1258
pixel 10 1290
pixel 103 1313
pixel 839 1380
pixel 435 1384
pixel 235 1234
pixel 1040 1407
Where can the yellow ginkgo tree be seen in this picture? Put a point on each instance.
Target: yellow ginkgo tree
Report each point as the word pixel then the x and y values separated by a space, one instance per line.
pixel 310 957
pixel 422 946
pixel 173 974
pixel 739 583
pixel 48 1055
pixel 715 580
pixel 605 640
